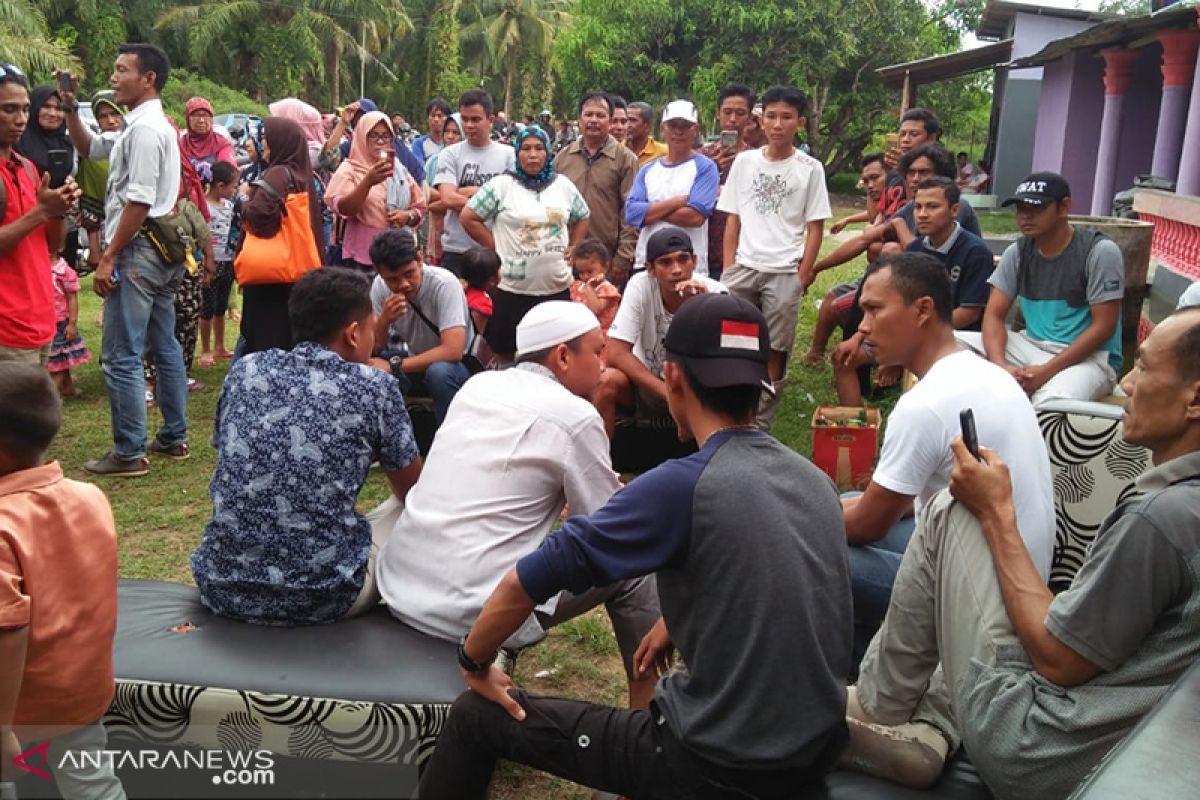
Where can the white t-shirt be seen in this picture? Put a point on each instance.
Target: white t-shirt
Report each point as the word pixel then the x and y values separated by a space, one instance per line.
pixel 697 177
pixel 916 458
pixel 440 298
pixel 532 231
pixel 775 200
pixel 642 319
pixel 515 445
pixel 463 165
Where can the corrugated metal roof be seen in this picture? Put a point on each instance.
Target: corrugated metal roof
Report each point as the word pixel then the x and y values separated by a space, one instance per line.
pixel 998 15
pixel 950 65
pixel 1113 32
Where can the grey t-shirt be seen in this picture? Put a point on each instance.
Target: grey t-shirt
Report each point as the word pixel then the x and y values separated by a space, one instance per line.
pixel 440 298
pixel 464 165
pixel 1133 610
pixel 1057 294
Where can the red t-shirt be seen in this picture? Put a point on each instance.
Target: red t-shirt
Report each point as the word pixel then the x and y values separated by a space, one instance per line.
pixel 479 300
pixel 26 285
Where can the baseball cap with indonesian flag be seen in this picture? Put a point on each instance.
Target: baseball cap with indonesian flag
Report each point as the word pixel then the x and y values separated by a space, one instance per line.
pixel 722 340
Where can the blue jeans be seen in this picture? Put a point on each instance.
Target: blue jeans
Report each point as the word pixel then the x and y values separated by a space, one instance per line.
pixel 440 381
pixel 139 316
pixel 873 569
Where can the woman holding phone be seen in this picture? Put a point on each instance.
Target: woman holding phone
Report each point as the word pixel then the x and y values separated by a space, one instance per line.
pixel 46 143
pixel 372 191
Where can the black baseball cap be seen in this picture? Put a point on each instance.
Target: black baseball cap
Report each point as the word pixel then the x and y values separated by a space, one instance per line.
pixel 667 240
pixel 722 340
pixel 1040 188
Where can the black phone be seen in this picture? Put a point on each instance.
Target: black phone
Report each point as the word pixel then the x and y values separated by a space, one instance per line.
pixel 966 419
pixel 65 81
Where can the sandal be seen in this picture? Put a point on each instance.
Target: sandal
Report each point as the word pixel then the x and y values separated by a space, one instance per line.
pixel 208 360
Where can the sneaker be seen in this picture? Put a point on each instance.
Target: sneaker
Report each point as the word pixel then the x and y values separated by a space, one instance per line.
pixel 114 467
pixel 912 754
pixel 194 386
pixel 178 452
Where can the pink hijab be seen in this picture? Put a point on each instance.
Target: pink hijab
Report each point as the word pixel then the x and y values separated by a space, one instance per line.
pixel 351 171
pixel 210 147
pixel 304 115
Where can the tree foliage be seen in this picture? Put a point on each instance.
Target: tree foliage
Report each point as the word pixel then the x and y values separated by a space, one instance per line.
pixel 530 54
pixel 659 49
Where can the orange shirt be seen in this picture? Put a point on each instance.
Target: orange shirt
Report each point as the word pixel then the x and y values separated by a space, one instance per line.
pixel 58 577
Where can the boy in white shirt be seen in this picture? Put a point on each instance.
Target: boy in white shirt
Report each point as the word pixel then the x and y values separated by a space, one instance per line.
pixel 634 379
pixel 777 204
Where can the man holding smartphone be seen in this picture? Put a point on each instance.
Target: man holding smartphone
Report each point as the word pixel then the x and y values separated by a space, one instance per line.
pixel 1045 685
pixel 734 105
pixel 31 225
pixel 907 303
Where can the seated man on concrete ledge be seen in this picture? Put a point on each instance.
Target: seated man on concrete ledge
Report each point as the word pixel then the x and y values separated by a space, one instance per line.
pixel 633 380
pixel 421 320
pixel 1070 283
pixel 1042 686
pixel 908 320
pixel 745 540
pixel 295 434
pixel 516 445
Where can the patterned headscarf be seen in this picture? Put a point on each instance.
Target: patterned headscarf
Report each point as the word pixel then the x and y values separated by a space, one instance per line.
pixel 534 183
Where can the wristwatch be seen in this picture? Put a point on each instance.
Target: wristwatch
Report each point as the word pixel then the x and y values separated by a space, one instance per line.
pixel 469 664
pixel 397 365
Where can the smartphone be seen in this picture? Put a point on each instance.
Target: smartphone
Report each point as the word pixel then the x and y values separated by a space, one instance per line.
pixel 66 83
pixel 966 419
pixel 728 140
pixel 891 141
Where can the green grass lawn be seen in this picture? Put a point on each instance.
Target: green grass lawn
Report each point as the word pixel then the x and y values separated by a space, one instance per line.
pixel 160 517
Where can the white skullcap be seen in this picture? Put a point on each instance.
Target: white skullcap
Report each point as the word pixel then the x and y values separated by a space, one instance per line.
pixel 553 322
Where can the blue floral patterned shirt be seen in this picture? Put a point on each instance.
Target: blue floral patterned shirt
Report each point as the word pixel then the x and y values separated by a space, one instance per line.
pixel 295 434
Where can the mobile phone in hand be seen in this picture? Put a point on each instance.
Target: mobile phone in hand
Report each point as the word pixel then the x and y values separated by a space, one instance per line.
pixel 966 419
pixel 728 140
pixel 66 83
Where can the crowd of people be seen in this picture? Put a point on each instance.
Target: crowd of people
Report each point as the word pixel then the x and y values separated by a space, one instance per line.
pixel 536 285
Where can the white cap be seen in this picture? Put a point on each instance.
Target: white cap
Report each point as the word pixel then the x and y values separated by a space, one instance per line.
pixel 680 109
pixel 553 322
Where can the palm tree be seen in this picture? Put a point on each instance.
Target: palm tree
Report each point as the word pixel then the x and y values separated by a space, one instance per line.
pixel 503 26
pixel 24 39
pixel 322 30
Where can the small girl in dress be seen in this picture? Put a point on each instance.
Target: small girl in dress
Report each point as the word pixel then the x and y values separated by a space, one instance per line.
pixel 68 349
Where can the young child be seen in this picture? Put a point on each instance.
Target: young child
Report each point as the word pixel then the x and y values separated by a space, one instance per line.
pixel 591 287
pixel 68 349
pixel 58 596
pixel 214 298
pixel 481 274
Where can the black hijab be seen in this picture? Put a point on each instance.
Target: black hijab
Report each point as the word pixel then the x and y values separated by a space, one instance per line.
pixel 49 150
pixel 289 162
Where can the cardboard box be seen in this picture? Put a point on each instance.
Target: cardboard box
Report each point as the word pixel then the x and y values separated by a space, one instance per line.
pixel 846 454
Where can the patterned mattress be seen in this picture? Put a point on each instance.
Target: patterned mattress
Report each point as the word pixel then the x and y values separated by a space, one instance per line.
pixel 1093 470
pixel 363 690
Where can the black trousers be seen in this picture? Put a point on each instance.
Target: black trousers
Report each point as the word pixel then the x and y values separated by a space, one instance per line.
pixel 631 753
